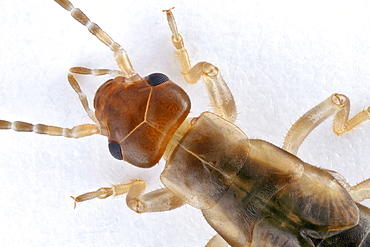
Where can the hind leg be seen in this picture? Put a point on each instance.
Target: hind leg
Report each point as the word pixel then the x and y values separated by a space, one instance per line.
pixel 361 191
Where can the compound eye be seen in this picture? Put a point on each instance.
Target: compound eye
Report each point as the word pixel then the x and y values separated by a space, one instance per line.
pixel 156 79
pixel 115 150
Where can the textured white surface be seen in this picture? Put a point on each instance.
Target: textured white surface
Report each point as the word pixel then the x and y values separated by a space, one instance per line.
pixel 279 58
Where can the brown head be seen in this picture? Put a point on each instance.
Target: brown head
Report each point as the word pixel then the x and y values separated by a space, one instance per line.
pixel 140 118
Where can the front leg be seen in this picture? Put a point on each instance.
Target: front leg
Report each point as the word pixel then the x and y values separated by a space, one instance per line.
pixel 155 201
pixel 220 96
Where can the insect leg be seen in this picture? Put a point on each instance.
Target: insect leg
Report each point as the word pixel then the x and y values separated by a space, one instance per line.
pixel 361 191
pixel 220 96
pixel 155 201
pixel 120 54
pixel 82 96
pixel 86 71
pixel 95 72
pixel 337 104
pixel 75 132
pixel 217 241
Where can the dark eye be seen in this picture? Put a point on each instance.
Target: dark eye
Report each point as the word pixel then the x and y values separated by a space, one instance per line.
pixel 115 150
pixel 156 78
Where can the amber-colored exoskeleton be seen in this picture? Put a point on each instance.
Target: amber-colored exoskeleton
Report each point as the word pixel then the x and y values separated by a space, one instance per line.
pixel 251 192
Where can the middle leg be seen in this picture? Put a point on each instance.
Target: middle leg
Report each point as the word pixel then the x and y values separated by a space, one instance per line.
pixel 336 104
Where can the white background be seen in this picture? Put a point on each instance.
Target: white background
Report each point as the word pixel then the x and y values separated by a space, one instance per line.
pixel 280 59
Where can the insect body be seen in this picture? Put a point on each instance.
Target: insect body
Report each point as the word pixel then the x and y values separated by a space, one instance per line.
pixel 251 192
